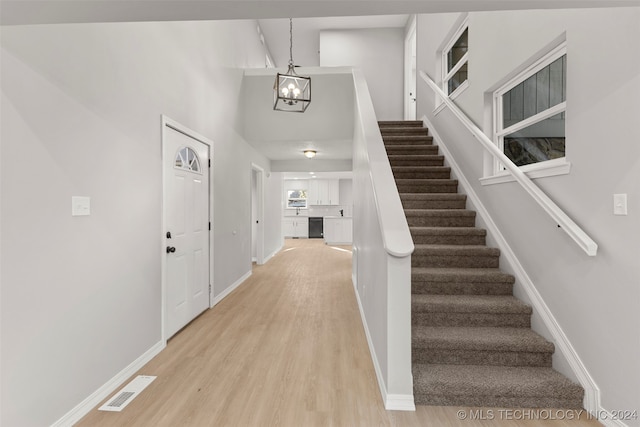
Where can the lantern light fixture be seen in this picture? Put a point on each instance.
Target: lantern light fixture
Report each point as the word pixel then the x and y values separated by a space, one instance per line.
pixel 291 92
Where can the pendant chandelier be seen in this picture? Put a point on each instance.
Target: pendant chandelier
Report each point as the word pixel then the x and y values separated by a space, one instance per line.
pixel 291 92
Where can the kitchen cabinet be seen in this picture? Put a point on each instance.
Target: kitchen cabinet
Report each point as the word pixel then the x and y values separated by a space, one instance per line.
pixel 323 192
pixel 338 230
pixel 295 227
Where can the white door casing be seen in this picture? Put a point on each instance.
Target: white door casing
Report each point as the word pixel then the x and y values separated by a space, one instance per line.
pixel 186 235
pixel 410 72
pixel 257 211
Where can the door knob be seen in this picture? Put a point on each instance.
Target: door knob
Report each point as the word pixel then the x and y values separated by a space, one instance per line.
pixel 170 249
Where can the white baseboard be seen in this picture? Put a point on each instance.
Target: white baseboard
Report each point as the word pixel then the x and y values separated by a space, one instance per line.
pixel 272 254
pixel 592 392
pixel 392 402
pixel 109 387
pixel 231 288
pixel 607 419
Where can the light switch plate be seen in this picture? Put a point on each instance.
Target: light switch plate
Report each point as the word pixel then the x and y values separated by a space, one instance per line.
pixel 620 204
pixel 80 206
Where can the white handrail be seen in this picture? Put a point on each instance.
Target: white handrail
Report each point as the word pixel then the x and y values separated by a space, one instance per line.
pixel 396 236
pixel 566 223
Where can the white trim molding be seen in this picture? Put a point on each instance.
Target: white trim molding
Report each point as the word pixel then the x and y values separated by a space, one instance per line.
pixel 272 254
pixel 592 392
pixel 392 402
pixel 82 409
pixel 231 288
pixel 536 170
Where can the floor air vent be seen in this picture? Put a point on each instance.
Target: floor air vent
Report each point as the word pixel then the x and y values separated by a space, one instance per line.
pixel 122 398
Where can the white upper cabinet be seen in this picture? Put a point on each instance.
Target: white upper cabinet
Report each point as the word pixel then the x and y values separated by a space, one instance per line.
pixel 324 192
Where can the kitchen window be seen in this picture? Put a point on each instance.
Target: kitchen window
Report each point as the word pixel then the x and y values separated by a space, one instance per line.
pixel 296 199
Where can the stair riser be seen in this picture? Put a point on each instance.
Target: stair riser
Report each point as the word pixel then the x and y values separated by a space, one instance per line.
pixel 510 320
pixel 475 357
pixel 448 240
pixel 415 150
pixel 400 124
pixel 443 174
pixel 460 288
pixel 404 131
pixel 445 187
pixel 391 135
pixel 397 140
pixel 434 204
pixel 451 261
pixel 412 161
pixel 440 221
pixel 496 401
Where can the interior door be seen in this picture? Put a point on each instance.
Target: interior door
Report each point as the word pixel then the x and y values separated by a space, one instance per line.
pixel 186 206
pixel 410 71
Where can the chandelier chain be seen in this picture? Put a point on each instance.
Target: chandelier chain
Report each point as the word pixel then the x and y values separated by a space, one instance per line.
pixel 290 41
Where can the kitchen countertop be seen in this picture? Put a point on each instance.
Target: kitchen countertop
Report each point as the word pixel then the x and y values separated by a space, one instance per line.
pixel 337 217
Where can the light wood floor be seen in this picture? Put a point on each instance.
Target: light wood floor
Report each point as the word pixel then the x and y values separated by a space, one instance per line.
pixel 287 348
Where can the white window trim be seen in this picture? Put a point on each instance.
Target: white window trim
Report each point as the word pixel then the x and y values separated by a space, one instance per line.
pixel 553 167
pixel 446 75
pixel 287 198
pixel 456 93
pixel 537 170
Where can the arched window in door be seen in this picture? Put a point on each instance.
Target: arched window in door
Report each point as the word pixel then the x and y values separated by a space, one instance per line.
pixel 187 159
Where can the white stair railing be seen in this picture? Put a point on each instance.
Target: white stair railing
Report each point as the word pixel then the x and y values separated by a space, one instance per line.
pixel 562 219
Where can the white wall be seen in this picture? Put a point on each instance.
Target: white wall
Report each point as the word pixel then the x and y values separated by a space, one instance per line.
pixel 595 300
pixel 81 108
pixel 379 52
pixel 273 205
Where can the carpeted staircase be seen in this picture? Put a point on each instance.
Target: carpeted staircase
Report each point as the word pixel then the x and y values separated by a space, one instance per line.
pixel 472 344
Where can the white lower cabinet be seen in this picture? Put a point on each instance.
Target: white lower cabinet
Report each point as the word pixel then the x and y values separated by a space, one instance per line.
pixel 295 227
pixel 338 230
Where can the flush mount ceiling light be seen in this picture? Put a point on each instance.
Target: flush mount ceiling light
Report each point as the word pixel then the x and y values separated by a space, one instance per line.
pixel 291 92
pixel 310 154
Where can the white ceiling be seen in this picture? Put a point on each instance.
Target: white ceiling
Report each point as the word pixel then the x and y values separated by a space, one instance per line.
pixel 306 34
pixel 326 126
pixel 15 12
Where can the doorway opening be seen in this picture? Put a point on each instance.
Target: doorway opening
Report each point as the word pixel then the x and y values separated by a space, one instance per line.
pixel 257 214
pixel 410 70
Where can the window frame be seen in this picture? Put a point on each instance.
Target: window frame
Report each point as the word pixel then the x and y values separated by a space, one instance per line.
pixel 185 164
pixel 447 75
pixel 287 199
pixel 554 166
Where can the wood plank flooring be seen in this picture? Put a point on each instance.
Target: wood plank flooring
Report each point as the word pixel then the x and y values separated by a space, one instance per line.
pixel 287 348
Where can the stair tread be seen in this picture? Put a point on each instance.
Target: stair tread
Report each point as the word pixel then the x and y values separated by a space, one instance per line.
pixel 448 274
pixel 480 338
pixel 439 212
pixel 497 304
pixel 415 156
pixel 443 181
pixel 491 380
pixel 413 146
pixel 432 196
pixel 420 168
pixel 457 249
pixel 443 231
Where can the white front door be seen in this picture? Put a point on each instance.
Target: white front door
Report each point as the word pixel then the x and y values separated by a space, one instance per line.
pixel 186 210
